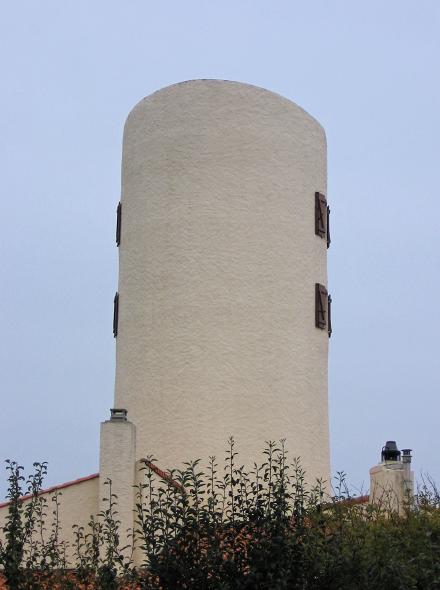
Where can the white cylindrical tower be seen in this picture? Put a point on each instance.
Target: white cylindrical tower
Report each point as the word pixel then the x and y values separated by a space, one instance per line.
pixel 219 259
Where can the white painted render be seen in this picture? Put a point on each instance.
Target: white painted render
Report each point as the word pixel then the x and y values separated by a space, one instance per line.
pixel 218 265
pixel 217 269
pixel 78 501
pixel 117 464
pixel 391 485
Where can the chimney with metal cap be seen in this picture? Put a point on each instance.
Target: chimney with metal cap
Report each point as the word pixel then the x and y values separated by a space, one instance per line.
pixel 117 463
pixel 406 456
pixel 408 474
pixel 392 481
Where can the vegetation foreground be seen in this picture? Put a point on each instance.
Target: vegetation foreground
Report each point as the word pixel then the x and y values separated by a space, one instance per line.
pixel 225 529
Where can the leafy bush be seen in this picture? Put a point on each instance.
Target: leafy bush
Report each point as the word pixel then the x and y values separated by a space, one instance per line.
pixel 228 529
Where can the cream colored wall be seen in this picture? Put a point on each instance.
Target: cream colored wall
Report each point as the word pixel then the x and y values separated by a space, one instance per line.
pixel 117 463
pixel 77 503
pixel 218 265
pixel 391 485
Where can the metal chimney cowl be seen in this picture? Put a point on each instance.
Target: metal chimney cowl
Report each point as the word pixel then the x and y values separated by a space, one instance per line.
pixel 390 452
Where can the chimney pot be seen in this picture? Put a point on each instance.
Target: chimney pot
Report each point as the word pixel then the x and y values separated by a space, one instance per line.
pixel 390 452
pixel 118 415
pixel 406 455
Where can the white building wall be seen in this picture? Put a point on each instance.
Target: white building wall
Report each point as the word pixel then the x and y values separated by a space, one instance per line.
pixel 117 464
pixel 78 502
pixel 218 265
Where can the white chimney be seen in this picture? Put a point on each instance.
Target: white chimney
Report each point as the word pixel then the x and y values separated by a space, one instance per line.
pixel 392 481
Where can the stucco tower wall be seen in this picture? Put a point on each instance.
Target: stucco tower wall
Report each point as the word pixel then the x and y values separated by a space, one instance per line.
pixel 218 265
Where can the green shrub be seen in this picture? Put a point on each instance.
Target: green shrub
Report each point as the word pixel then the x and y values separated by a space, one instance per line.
pixel 229 529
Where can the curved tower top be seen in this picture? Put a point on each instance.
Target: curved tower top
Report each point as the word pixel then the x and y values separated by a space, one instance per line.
pixel 218 328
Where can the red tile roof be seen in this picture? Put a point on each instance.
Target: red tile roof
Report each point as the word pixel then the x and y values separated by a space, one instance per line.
pixel 356 500
pixel 163 474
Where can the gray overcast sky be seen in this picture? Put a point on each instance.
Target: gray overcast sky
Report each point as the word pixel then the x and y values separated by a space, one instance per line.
pixel 71 71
